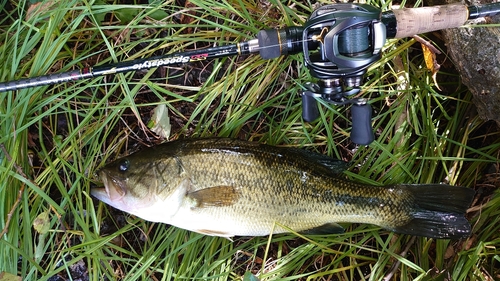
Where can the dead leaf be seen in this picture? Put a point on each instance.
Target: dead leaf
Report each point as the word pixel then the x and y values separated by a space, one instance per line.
pixel 430 58
pixel 450 252
pixel 187 16
pixel 39 8
pixel 5 276
pixel 160 122
pixel 42 222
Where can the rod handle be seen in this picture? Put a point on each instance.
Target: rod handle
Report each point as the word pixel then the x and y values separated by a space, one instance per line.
pixel 408 22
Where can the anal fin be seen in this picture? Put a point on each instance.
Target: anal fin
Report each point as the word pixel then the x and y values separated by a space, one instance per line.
pixel 328 228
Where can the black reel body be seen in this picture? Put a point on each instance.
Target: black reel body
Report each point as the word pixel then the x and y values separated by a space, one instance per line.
pixel 347 39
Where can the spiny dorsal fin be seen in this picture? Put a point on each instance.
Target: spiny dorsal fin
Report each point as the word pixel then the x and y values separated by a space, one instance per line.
pixel 217 196
pixel 331 165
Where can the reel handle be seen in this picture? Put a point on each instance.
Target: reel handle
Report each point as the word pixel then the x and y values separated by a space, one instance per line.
pixel 362 132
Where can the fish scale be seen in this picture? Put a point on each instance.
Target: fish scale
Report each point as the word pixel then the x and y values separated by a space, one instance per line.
pixel 229 187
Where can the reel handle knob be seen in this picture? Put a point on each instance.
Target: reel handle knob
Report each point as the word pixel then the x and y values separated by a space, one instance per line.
pixel 310 111
pixel 362 132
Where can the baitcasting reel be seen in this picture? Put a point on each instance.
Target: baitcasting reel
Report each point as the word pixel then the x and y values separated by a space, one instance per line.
pixel 349 38
pixel 339 42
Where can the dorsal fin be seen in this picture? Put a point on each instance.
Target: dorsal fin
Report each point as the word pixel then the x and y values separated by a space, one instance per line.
pixel 335 166
pixel 302 157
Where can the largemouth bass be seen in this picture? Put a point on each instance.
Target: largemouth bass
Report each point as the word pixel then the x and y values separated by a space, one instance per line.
pixel 227 187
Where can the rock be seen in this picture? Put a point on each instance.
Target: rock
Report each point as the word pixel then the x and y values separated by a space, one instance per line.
pixel 476 54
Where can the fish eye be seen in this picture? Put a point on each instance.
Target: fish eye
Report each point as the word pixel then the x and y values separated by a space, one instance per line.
pixel 123 165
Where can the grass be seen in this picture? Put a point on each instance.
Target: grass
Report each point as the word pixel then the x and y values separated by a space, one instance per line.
pixel 54 138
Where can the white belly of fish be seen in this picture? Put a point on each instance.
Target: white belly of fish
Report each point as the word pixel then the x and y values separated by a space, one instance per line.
pixel 217 223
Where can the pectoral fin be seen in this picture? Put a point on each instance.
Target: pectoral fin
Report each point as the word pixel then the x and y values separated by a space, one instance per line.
pixel 212 232
pixel 216 196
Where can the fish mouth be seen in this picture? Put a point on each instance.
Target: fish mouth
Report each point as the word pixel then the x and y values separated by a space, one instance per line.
pixel 112 191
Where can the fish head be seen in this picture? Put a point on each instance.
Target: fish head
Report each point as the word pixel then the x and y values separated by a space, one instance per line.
pixel 137 185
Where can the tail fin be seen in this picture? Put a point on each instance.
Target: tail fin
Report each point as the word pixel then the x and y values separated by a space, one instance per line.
pixel 439 211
